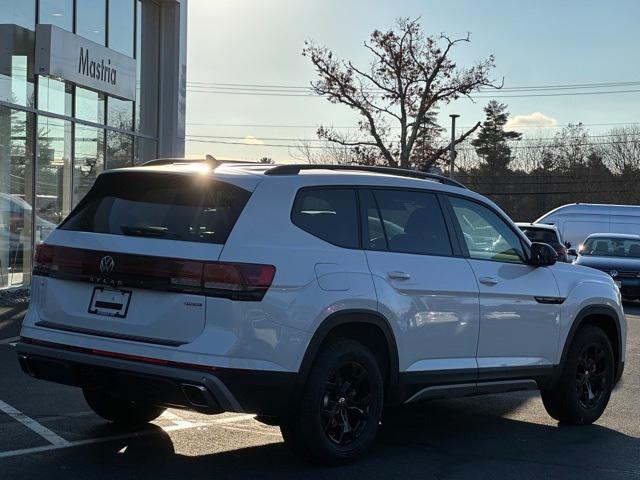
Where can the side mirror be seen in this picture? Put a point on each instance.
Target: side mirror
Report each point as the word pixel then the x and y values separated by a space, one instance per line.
pixel 542 255
pixel 567 244
pixel 573 252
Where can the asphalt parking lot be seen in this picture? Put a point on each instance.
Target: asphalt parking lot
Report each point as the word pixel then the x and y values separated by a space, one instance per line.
pixel 48 432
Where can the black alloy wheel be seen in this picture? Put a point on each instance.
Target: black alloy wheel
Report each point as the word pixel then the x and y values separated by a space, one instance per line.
pixel 346 403
pixel 591 376
pixel 338 413
pixel 581 393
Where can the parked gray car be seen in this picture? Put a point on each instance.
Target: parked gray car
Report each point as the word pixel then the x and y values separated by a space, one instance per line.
pixel 616 254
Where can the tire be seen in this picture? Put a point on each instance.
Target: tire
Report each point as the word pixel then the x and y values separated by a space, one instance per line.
pixel 578 397
pixel 118 409
pixel 334 421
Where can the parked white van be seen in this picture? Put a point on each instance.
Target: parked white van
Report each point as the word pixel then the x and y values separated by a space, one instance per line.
pixel 577 221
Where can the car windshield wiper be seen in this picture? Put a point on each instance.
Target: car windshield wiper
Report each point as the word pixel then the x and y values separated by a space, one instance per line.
pixel 160 232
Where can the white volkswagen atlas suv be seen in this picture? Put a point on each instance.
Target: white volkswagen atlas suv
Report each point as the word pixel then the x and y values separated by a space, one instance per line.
pixel 314 296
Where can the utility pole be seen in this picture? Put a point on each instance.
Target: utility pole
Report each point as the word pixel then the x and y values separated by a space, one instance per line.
pixel 452 147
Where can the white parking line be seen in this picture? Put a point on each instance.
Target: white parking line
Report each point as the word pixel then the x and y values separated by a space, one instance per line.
pixel 10 340
pixel 34 426
pixel 171 428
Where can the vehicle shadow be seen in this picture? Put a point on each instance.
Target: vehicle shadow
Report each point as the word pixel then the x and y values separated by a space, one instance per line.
pixel 11 319
pixel 467 438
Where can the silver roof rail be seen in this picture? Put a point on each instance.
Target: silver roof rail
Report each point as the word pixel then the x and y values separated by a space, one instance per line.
pixel 294 169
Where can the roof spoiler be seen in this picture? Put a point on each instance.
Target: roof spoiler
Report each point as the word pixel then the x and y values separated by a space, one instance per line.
pixel 209 160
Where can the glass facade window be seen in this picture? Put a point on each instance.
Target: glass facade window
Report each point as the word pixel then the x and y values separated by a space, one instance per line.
pixel 19 12
pixel 91 19
pixel 47 163
pixel 88 159
pixel 57 12
pixel 16 193
pixel 121 26
pixel 147 55
pixel 89 105
pixel 17 57
pixel 119 150
pixel 54 96
pixel 120 113
pixel 53 171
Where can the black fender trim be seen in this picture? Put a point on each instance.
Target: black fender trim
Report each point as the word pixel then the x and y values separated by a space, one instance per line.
pixel 352 316
pixel 603 310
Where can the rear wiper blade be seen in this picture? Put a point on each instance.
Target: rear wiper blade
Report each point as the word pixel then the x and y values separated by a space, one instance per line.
pixel 160 232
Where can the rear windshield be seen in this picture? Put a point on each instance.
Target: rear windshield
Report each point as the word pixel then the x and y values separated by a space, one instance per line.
pixel 159 205
pixel 542 235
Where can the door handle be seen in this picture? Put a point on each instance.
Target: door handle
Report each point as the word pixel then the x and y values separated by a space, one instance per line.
pixel 488 280
pixel 396 275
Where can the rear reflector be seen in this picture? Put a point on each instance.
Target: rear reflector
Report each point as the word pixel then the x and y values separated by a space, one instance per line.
pixel 236 281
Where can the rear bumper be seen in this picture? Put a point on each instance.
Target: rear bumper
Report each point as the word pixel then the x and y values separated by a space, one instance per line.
pixel 263 392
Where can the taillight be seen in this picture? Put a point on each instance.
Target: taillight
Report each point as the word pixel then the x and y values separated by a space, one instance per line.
pixel 43 260
pixel 44 254
pixel 235 281
pixel 244 281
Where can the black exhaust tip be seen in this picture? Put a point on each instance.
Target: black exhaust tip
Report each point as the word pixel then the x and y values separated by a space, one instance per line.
pixel 197 395
pixel 24 364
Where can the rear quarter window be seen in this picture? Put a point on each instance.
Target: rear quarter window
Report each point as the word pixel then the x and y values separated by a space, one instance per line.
pixel 330 214
pixel 159 205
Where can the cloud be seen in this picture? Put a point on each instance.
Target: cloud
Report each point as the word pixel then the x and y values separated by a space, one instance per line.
pixel 251 140
pixel 533 120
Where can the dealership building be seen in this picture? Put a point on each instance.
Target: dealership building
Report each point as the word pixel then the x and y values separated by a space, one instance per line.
pixel 85 85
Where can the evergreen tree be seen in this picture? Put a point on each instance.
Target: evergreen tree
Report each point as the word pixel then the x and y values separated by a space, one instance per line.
pixel 491 142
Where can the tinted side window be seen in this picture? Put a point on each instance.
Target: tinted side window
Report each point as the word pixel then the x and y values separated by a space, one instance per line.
pixel 329 214
pixel 486 235
pixel 413 222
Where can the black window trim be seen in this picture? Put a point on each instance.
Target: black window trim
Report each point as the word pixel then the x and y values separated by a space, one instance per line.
pixel 363 215
pixel 458 230
pixel 456 239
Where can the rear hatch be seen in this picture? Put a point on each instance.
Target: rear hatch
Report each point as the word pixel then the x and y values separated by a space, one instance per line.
pixel 137 257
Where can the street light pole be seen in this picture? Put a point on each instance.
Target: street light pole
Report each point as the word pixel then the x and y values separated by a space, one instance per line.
pixel 452 147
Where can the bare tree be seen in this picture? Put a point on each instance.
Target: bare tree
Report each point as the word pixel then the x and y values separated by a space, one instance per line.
pixel 409 77
pixel 622 152
pixel 466 158
pixel 327 153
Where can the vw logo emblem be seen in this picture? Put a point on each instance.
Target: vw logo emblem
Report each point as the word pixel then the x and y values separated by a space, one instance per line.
pixel 613 273
pixel 106 265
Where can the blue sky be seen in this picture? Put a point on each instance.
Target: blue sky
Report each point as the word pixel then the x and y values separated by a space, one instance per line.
pixel 535 43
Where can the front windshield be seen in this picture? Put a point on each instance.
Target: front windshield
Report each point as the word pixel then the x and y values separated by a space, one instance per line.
pixel 611 247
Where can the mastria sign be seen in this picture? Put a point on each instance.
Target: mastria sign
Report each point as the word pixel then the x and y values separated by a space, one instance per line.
pixel 97 69
pixel 63 55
